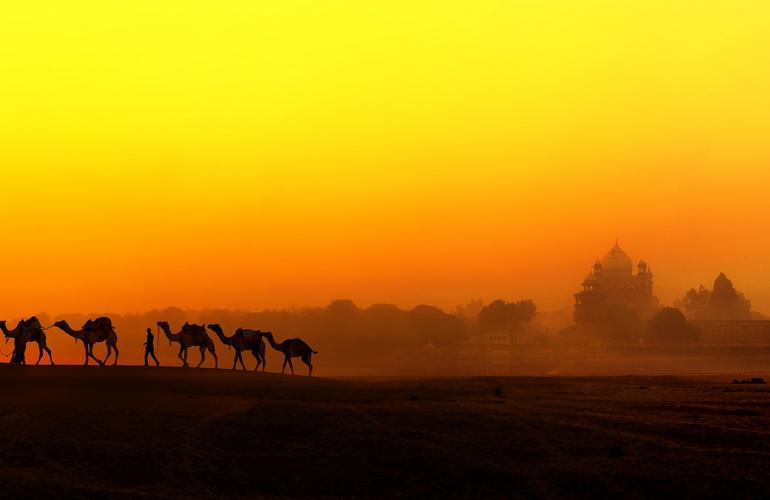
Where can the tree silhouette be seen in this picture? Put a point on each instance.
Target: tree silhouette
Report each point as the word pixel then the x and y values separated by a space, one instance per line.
pixel 501 315
pixel 669 326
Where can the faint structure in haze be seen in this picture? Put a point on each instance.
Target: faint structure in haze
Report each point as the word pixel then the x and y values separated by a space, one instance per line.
pixel 724 315
pixel 612 283
pixel 723 303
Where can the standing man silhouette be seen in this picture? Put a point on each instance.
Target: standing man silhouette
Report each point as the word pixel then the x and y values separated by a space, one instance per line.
pixel 149 348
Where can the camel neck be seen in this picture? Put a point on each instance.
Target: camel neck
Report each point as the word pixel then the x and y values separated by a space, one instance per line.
pixel 223 338
pixel 171 336
pixel 9 333
pixel 273 344
pixel 69 331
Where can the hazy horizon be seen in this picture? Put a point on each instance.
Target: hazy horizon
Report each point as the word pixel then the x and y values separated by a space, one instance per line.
pixel 261 155
pixel 667 298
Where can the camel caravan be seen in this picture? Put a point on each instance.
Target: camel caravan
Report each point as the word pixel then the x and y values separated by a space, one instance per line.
pixel 190 335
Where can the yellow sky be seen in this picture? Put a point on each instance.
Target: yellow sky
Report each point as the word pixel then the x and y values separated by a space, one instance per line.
pixel 265 154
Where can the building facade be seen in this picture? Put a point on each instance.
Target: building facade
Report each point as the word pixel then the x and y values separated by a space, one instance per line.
pixel 612 283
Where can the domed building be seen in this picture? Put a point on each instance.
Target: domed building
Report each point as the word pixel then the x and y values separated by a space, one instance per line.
pixel 613 282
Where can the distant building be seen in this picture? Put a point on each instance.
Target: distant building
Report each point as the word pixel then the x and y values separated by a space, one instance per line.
pixel 723 303
pixel 613 283
pixel 723 315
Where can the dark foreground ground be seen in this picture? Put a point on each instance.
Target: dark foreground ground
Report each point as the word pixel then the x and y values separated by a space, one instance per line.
pixel 130 431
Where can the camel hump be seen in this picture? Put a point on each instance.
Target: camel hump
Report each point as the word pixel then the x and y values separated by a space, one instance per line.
pixel 32 322
pixel 250 334
pixel 303 344
pixel 101 323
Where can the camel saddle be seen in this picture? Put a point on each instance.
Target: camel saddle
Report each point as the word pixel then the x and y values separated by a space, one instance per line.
pixel 250 336
pixel 192 326
pixel 31 323
pixel 102 323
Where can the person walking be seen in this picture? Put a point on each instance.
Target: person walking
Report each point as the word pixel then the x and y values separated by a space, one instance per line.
pixel 149 348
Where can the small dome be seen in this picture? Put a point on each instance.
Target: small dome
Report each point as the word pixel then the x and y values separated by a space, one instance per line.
pixel 591 279
pixel 617 261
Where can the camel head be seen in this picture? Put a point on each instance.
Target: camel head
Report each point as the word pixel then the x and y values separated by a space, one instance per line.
pixel 61 324
pixel 214 327
pixel 163 325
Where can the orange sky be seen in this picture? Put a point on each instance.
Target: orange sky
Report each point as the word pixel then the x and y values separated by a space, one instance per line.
pixel 265 154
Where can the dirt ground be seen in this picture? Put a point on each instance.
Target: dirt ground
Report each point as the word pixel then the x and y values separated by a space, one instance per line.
pixel 132 431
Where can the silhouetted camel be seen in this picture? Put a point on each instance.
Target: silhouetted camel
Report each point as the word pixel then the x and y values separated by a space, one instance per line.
pixel 243 340
pixel 27 331
pixel 251 337
pixel 20 336
pixel 93 332
pixel 190 336
pixel 292 348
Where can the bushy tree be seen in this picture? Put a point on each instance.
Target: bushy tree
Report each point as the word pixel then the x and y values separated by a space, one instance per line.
pixel 670 327
pixel 501 315
pixel 432 325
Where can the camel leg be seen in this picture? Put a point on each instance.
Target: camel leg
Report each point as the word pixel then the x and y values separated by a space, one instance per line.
pixel 40 354
pixel 48 351
pixel 264 360
pixel 307 359
pixel 256 356
pixel 85 347
pixel 180 355
pixel 283 368
pixel 109 353
pixel 203 356
pixel 216 359
pixel 117 353
pixel 290 365
pixel 91 354
pixel 240 358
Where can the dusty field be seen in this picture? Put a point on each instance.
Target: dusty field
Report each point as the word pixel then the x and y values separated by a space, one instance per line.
pixel 131 431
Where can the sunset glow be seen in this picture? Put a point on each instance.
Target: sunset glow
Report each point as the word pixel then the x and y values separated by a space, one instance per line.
pixel 251 155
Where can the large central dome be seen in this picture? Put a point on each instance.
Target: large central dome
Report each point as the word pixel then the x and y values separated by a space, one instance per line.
pixel 617 261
